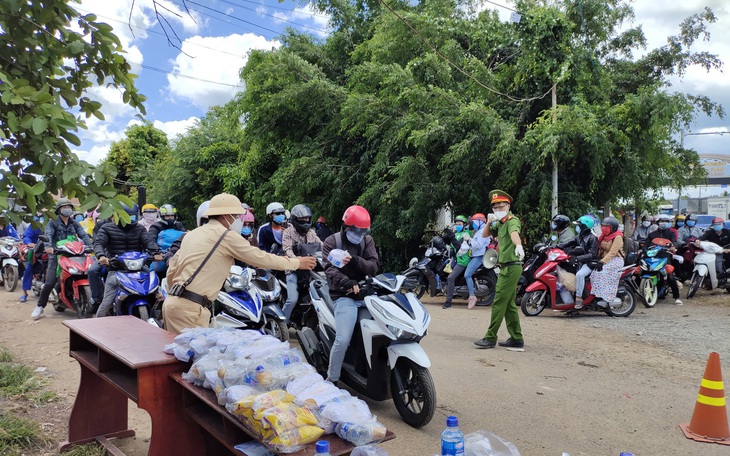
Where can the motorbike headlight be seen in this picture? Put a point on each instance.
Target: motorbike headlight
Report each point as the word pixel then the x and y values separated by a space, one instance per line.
pixel 238 282
pixel 397 332
pixel 553 256
pixel 73 270
pixel 134 265
pixel 413 262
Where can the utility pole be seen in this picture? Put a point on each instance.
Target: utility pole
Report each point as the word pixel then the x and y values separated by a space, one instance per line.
pixel 555 160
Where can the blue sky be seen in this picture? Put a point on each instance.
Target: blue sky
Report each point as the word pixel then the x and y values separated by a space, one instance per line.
pixel 181 84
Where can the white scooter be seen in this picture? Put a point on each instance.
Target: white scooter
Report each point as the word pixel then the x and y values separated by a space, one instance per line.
pixel 705 273
pixel 384 350
pixel 9 256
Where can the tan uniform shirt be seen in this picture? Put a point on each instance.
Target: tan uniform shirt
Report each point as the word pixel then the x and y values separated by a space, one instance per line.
pixel 197 244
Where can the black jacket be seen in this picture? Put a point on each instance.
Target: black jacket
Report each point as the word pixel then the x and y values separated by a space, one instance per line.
pixel 112 239
pixel 585 240
pixel 161 225
pixel 661 234
pixel 722 238
pixel 360 266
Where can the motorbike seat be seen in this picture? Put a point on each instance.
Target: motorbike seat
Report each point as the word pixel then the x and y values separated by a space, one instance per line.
pixel 363 314
pixel 323 291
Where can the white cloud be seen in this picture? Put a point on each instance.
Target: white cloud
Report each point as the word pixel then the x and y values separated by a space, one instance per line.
pixel 95 155
pixel 174 128
pixel 260 10
pixel 210 65
pixel 308 13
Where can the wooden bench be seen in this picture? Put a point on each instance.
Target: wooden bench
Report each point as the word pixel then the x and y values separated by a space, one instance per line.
pixel 122 359
pixel 223 431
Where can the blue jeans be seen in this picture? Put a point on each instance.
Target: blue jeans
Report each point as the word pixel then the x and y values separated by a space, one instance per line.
pixel 28 276
pixel 345 321
pixel 580 280
pixel 96 286
pixel 292 295
pixel 471 268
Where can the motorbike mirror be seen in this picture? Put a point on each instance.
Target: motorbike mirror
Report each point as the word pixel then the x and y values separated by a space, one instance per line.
pixel 413 262
pixel 44 238
pixel 489 261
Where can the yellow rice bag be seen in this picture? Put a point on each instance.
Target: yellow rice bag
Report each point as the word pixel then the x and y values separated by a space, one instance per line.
pixel 285 417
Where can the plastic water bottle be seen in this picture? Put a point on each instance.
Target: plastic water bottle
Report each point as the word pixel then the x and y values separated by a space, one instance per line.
pixel 356 433
pixel 322 448
pixel 452 439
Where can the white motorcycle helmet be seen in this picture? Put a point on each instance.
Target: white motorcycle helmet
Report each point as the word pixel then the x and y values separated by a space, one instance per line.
pixel 201 210
pixel 274 207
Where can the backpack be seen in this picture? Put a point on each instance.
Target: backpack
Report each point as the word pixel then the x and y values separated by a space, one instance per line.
pixel 167 237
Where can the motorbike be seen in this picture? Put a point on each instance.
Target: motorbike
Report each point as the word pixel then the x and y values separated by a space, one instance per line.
pixel 240 305
pixel 705 273
pixel 384 359
pixel 530 267
pixel 74 261
pixel 139 288
pixel 303 313
pixel 9 257
pixel 652 271
pixel 543 292
pixel 430 274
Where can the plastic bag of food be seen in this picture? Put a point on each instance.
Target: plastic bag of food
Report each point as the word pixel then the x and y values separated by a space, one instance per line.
pixel 263 346
pixel 299 384
pixel 286 416
pixel 484 443
pixel 236 393
pixel 347 409
pixel 369 450
pixel 361 433
pixel 233 372
pixel 566 278
pixel 278 377
pixel 320 394
pixel 253 449
pixel 294 440
pixel 208 362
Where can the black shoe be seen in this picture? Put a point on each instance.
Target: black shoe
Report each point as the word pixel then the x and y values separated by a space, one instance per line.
pixel 512 343
pixel 485 343
pixel 447 305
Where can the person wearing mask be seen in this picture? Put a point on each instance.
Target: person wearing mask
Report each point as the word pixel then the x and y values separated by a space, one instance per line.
pixel 33 266
pixel 300 232
pixel 719 235
pixel 56 230
pixel 455 240
pixel 363 261
pixel 562 230
pixel 642 231
pixel 270 235
pixel 248 232
pixel 198 270
pixel 511 253
pixel 114 239
pixel 584 248
pixel 79 217
pixel 149 216
pixel 479 246
pixel 607 269
pixel 664 231
pixel 323 230
pixel 689 230
pixel 165 231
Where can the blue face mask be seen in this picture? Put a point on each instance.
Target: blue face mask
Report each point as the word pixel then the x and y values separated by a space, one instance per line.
pixel 355 239
pixel 663 225
pixel 691 223
pixel 459 228
pixel 476 224
pixel 577 229
pixel 680 224
pixel 133 218
pixel 279 219
pixel 717 227
pixel 246 230
pixel 80 218
pixel 553 226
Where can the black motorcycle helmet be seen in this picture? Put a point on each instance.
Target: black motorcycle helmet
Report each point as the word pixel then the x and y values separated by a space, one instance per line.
pixel 561 222
pixel 301 218
pixel 612 222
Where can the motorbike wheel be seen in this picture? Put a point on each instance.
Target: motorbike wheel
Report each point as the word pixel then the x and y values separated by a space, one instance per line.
pixel 59 306
pixel 278 329
pixel 10 277
pixel 141 312
pixel 85 303
pixel 420 289
pixel 36 291
pixel 648 289
pixel 534 302
pixel 413 391
pixel 694 285
pixel 487 297
pixel 628 304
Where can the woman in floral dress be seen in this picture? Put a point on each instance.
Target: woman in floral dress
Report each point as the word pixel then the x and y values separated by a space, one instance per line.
pixel 606 276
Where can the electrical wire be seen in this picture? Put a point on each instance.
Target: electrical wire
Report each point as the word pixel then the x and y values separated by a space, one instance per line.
pixel 273 16
pixel 228 15
pixel 283 9
pixel 186 76
pixel 502 6
pixel 457 67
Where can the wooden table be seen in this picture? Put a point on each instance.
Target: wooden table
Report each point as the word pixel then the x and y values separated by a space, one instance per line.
pixel 121 358
pixel 223 431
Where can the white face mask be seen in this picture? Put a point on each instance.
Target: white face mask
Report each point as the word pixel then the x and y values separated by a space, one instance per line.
pixel 236 225
pixel 645 224
pixel 500 214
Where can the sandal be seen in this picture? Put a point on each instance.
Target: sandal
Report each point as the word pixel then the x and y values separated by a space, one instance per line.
pixel 23 298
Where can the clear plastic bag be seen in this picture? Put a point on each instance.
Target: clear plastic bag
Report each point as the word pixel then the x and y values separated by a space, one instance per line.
pixel 320 394
pixel 299 384
pixel 484 443
pixel 236 393
pixel 349 409
pixel 369 450
pixel 361 433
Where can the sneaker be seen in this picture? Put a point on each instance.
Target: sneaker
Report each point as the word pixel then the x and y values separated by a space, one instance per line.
pixel 512 343
pixel 447 305
pixel 484 343
pixel 37 312
pixel 472 302
pixel 678 302
pixel 23 298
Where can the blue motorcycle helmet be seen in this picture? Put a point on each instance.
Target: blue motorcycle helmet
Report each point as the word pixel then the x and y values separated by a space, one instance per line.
pixel 584 223
pixel 131 211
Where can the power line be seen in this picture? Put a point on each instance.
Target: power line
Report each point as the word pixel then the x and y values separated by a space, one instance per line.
pixel 231 16
pixel 271 15
pixel 502 6
pixel 173 73
pixel 283 9
pixel 457 67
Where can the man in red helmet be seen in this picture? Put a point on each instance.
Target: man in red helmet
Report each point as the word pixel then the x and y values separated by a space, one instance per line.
pixel 354 237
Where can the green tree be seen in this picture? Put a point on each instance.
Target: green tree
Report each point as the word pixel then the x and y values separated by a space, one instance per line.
pixel 46 67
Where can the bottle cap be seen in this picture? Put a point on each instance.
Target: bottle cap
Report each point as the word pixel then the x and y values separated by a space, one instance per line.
pixel 322 446
pixel 452 421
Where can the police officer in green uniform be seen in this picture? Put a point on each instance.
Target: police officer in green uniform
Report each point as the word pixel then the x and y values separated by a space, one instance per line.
pixel 511 254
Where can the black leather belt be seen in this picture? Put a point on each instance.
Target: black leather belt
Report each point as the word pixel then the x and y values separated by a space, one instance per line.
pixel 196 298
pixel 511 263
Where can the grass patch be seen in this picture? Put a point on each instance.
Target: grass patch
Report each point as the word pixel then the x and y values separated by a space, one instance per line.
pixel 18 380
pixel 5 355
pixel 86 450
pixel 17 434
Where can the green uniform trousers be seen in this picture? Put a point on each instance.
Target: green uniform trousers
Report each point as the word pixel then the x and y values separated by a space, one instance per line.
pixel 504 306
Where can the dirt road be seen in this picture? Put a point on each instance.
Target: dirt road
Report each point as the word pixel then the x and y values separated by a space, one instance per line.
pixel 588 385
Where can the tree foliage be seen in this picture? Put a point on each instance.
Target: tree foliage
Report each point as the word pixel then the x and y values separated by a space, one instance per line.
pixel 134 155
pixel 406 123
pixel 49 57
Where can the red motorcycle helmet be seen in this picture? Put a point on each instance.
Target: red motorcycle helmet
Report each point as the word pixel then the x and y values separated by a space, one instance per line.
pixel 358 219
pixel 717 221
pixel 479 216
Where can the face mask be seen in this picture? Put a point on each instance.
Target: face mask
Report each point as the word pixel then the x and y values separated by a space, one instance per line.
pixel 476 224
pixel 279 219
pixel 67 212
pixel 680 224
pixel 133 218
pixel 355 239
pixel 646 224
pixel 80 218
pixel 691 223
pixel 577 229
pixel 553 226
pixel 236 225
pixel 500 214
pixel 150 216
pixel 459 228
pixel 246 230
pixel 663 225
pixel 717 227
pixel 605 230
pixel 40 219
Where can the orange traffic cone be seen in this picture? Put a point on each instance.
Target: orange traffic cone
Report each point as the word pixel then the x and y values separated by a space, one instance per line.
pixel 709 420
